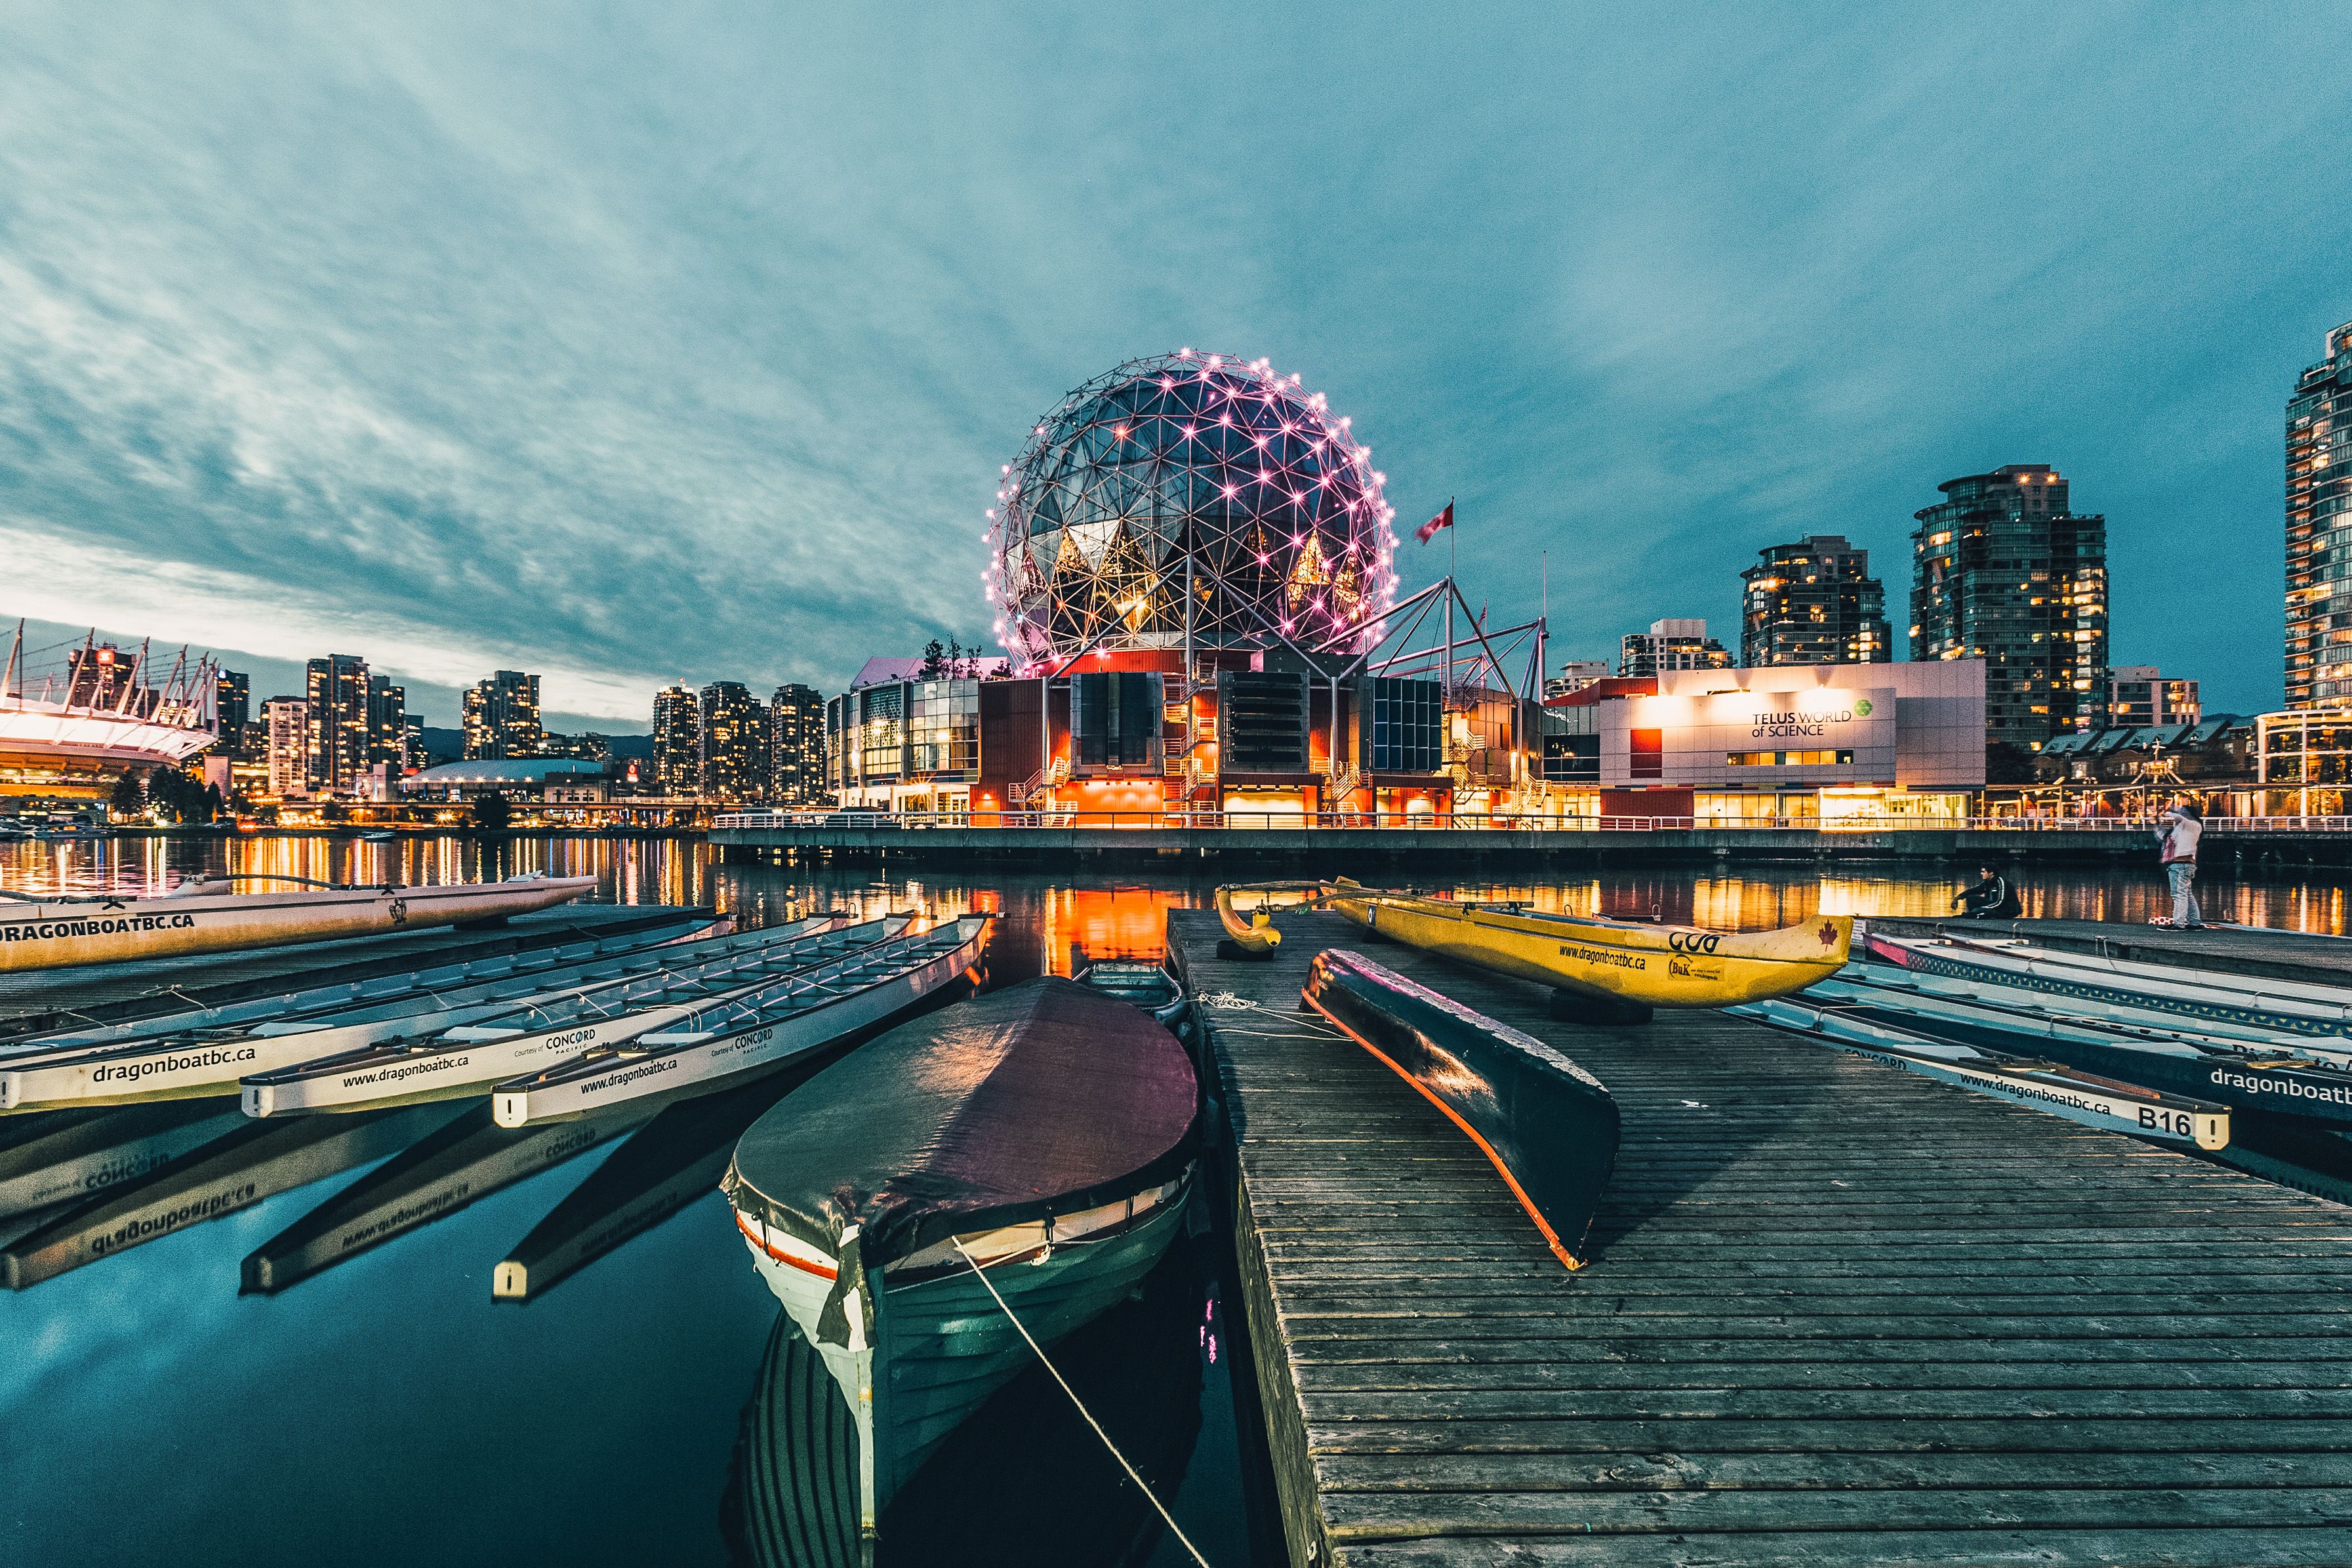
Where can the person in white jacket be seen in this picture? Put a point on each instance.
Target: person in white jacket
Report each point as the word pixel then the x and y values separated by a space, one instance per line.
pixel 2178 832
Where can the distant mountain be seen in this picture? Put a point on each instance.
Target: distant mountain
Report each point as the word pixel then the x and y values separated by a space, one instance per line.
pixel 443 745
pixel 632 747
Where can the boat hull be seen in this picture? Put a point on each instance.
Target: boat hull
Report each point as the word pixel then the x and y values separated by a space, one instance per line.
pixel 70 935
pixel 464 1061
pixel 942 1345
pixel 1550 1127
pixel 666 1071
pixel 1651 967
pixel 2117 1105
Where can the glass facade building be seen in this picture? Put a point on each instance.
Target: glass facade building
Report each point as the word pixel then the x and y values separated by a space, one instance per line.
pixel 1188 501
pixel 1814 602
pixel 2005 570
pixel 2319 529
pixel 905 745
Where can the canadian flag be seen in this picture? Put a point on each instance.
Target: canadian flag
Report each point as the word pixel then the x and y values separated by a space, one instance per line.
pixel 1428 531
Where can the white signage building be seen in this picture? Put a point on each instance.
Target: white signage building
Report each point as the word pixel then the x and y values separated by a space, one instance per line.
pixel 1794 741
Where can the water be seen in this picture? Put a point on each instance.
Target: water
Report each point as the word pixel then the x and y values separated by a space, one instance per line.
pixel 387 1410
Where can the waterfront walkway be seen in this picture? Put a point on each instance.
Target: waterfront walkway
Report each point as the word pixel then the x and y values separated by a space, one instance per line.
pixel 1956 851
pixel 1839 1314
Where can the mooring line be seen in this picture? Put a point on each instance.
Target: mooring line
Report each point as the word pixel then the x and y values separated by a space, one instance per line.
pixel 1175 1528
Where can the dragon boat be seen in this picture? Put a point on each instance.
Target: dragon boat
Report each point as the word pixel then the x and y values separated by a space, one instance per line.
pixel 1618 968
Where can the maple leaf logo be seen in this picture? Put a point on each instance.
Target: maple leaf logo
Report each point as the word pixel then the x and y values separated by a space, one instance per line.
pixel 1828 934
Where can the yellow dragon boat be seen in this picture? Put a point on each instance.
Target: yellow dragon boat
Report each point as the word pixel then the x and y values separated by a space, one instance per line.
pixel 1638 965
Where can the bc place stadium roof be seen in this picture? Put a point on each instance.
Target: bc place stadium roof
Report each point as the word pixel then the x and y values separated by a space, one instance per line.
pixel 77 714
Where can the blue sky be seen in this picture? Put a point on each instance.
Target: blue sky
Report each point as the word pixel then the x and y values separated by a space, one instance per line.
pixel 634 344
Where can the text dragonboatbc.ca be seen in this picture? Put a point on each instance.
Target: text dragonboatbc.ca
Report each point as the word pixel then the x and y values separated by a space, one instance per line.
pixel 51 930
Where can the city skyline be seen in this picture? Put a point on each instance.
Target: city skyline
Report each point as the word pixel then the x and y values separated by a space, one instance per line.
pixel 735 395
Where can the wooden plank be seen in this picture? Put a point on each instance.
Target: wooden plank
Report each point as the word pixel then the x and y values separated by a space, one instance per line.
pixel 1839 1314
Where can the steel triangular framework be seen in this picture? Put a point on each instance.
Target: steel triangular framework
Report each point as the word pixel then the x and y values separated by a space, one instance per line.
pixel 1189 468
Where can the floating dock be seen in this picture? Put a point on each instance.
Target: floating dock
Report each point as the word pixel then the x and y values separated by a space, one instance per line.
pixel 1837 1314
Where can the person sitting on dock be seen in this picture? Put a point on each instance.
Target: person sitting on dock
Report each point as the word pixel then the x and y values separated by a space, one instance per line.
pixel 2180 827
pixel 1994 898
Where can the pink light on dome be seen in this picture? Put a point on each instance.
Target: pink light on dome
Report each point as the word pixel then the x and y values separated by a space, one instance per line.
pixel 1183 353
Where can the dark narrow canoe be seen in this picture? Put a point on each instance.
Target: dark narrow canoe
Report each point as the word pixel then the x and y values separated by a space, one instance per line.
pixel 1549 1125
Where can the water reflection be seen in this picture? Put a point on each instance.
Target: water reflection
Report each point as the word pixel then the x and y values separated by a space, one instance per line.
pixel 1121 916
pixel 1022 1481
pixel 615 1229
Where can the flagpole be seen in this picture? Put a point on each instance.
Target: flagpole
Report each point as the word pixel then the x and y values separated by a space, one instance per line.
pixel 1452 523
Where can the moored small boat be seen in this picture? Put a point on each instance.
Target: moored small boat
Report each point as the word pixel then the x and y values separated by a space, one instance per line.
pixel 1549 1126
pixel 202 1062
pixel 753 1031
pixel 277 983
pixel 1044 1134
pixel 2286 1005
pixel 1144 984
pixel 2281 1081
pixel 1626 967
pixel 100 929
pixel 472 1056
pixel 2091 1099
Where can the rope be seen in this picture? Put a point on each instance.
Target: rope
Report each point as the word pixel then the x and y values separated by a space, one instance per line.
pixel 1175 1528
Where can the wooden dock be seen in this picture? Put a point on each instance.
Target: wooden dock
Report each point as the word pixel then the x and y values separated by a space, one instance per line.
pixel 1839 1314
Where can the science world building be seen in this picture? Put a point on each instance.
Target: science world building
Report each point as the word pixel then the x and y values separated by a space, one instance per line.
pixel 1192 570
pixel 1192 560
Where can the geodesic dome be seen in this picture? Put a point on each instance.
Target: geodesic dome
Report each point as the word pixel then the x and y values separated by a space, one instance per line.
pixel 1195 455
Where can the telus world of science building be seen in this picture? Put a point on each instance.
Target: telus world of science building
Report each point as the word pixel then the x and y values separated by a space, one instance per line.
pixel 1805 743
pixel 1193 574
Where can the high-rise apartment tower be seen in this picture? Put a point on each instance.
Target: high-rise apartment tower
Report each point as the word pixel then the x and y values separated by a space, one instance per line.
pixel 1814 602
pixel 678 742
pixel 2319 529
pixel 337 693
pixel 734 742
pixel 501 717
pixel 2005 570
pixel 1679 642
pixel 796 747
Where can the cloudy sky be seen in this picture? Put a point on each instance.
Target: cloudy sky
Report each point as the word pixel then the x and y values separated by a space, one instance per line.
pixel 632 344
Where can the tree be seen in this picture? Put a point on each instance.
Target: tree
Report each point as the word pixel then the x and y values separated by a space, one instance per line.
pixel 492 812
pixel 2006 762
pixel 934 661
pixel 333 812
pixel 130 796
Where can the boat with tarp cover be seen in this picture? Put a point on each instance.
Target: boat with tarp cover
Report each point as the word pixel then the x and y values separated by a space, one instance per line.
pixel 98 928
pixel 1047 1134
pixel 1625 967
